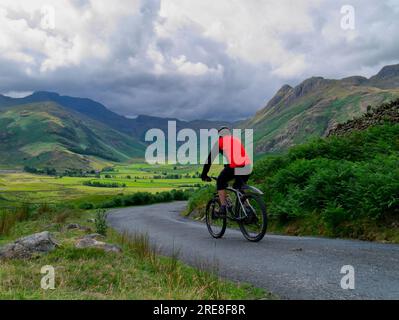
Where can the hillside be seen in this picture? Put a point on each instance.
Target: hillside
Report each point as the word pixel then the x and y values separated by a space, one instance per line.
pixel 386 113
pixel 48 129
pixel 94 110
pixel 345 185
pixel 48 135
pixel 316 106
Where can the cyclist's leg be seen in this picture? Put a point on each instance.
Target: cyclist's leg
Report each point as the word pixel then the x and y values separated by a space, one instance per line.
pixel 240 181
pixel 225 176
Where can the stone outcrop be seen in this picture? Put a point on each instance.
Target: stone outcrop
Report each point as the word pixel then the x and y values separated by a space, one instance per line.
pixel 75 226
pixel 91 241
pixel 386 113
pixel 26 247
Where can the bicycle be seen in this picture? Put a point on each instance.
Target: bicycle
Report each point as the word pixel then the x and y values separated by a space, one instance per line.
pixel 248 210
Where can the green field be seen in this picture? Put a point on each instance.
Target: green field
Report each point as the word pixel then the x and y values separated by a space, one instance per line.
pixel 139 272
pixel 18 187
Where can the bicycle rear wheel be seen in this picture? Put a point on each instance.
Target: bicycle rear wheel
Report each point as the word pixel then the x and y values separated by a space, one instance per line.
pixel 216 225
pixel 254 226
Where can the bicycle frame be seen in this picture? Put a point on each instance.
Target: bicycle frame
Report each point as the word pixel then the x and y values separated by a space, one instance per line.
pixel 239 203
pixel 241 210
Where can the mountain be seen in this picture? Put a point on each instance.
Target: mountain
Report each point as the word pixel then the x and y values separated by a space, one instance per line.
pixel 387 78
pixel 87 107
pixel 46 129
pixel 91 109
pixel 316 106
pixel 143 123
pixel 45 134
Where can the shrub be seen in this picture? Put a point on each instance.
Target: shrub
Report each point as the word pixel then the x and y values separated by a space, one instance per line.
pixel 99 184
pixel 7 221
pixel 86 206
pixel 333 216
pixel 331 183
pixel 101 222
pixel 199 200
pixel 143 198
pixel 339 178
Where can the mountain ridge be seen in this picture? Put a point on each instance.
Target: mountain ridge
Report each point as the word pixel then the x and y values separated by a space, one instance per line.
pixel 97 111
pixel 316 105
pixel 292 116
pixel 45 134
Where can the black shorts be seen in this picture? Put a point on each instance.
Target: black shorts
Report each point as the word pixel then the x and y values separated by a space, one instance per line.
pixel 227 175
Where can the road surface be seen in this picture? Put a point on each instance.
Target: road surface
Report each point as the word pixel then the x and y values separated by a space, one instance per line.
pixel 290 267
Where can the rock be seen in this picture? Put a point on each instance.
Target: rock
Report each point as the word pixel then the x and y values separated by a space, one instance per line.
pixel 25 247
pixel 385 113
pixel 75 226
pixel 92 220
pixel 91 242
pixel 95 236
pixel 279 96
pixel 309 85
pixel 72 226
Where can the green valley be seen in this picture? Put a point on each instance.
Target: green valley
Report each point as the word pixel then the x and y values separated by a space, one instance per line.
pixel 57 149
pixel 17 187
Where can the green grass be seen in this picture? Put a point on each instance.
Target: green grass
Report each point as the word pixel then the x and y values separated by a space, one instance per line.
pixel 345 187
pixel 47 135
pixel 341 186
pixel 138 273
pixel 20 187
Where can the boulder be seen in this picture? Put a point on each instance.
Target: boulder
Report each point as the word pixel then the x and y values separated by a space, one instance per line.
pixel 91 242
pixel 75 226
pixel 25 247
pixel 95 236
pixel 385 113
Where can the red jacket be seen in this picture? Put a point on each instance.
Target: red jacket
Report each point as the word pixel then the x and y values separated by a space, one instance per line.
pixel 234 151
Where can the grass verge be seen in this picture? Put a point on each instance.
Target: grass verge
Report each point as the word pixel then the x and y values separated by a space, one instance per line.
pixel 137 273
pixel 311 224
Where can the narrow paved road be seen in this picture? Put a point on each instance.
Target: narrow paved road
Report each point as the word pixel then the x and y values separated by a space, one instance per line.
pixel 291 267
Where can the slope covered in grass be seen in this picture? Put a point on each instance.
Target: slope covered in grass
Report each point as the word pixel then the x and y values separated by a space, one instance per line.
pixel 139 272
pixel 46 134
pixel 315 106
pixel 345 186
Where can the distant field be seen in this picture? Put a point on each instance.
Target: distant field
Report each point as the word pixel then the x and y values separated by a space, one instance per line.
pixel 19 187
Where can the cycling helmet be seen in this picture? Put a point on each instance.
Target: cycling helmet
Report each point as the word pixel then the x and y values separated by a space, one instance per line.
pixel 224 131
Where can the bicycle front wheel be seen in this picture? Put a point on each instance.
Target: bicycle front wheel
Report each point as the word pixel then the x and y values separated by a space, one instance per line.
pixel 254 220
pixel 216 225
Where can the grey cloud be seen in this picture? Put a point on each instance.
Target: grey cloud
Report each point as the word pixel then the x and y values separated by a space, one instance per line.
pixel 237 93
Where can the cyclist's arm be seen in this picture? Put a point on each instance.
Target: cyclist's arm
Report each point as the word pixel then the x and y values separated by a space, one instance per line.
pixel 211 157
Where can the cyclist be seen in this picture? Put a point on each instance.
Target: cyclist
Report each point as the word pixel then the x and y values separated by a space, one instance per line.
pixel 237 167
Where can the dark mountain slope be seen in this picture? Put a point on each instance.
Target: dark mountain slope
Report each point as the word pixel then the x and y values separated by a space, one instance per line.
pixel 135 127
pixel 48 135
pixel 317 105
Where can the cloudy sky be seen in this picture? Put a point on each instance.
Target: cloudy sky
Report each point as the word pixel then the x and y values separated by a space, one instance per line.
pixel 188 59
